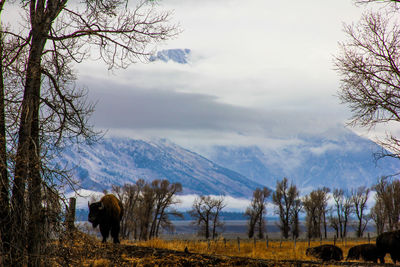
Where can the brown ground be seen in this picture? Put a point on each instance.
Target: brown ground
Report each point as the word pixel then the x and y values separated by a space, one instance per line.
pixel 84 250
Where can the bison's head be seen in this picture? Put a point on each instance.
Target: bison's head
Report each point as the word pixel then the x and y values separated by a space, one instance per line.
pixel 309 251
pixel 352 254
pixel 95 212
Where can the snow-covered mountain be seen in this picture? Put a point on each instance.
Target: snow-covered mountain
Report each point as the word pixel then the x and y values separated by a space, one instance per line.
pixel 336 159
pixel 180 56
pixel 116 161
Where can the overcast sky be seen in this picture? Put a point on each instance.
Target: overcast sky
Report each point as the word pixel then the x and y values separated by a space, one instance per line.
pixel 259 69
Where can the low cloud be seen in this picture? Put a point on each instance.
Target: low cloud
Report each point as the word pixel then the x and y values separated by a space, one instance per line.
pixel 123 108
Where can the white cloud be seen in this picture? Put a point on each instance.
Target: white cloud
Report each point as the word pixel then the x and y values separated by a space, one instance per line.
pixel 324 148
pixel 260 70
pixel 232 204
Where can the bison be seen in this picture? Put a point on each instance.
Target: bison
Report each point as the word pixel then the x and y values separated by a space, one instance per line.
pixel 389 242
pixel 325 252
pixel 107 213
pixel 367 252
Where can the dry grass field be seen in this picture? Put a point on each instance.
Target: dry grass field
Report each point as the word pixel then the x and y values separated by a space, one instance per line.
pixel 85 250
pixel 276 250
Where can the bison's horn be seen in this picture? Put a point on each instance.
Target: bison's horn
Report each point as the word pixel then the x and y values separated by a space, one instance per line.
pixel 102 206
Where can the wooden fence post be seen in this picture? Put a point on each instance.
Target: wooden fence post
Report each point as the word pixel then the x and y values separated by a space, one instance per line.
pixel 238 241
pixel 70 218
pixel 309 241
pixel 369 239
pixel 334 240
pixel 294 243
pixel 225 242
pixel 208 244
pixel 267 241
pixel 255 241
pixel 280 244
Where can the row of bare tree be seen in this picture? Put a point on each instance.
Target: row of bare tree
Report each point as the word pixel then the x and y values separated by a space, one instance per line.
pixel 347 208
pixel 147 207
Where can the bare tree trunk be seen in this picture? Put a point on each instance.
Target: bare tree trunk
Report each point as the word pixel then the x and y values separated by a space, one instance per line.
pixel 36 222
pixel 325 226
pixel 261 226
pixel 252 224
pixel 207 227
pixel 28 154
pixel 4 179
pixel 71 215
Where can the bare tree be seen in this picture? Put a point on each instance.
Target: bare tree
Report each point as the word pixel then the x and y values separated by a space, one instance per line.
pixel 206 211
pixel 147 207
pixel 284 198
pixel 359 199
pixel 219 204
pixel 324 205
pixel 315 206
pixel 378 215
pixel 393 3
pixel 334 221
pixel 255 212
pixel 343 209
pixel 164 197
pixel 4 177
pixel 294 217
pixel 388 195
pixel 369 68
pixel 129 194
pixel 56 36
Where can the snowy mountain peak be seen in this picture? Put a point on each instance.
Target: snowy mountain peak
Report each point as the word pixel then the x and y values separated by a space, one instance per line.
pixel 180 56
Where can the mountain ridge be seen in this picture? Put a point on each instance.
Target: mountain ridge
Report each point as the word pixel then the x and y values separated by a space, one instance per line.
pixel 341 160
pixel 122 160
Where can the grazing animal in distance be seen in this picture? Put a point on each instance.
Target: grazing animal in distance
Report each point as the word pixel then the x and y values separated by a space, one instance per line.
pixel 325 252
pixel 107 213
pixel 389 242
pixel 367 252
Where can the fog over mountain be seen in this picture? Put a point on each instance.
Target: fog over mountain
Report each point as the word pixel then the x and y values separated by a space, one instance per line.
pixel 338 160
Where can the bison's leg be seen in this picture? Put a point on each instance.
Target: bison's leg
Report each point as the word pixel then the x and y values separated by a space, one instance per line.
pixel 104 230
pixel 115 232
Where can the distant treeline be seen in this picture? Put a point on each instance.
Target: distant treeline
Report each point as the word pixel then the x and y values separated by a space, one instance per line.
pixel 149 210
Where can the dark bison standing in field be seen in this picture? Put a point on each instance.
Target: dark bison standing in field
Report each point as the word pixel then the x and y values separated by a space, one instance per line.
pixel 325 252
pixel 107 213
pixel 367 252
pixel 389 242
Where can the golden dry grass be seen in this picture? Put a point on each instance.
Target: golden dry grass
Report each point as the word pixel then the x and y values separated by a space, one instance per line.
pixel 86 251
pixel 276 250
